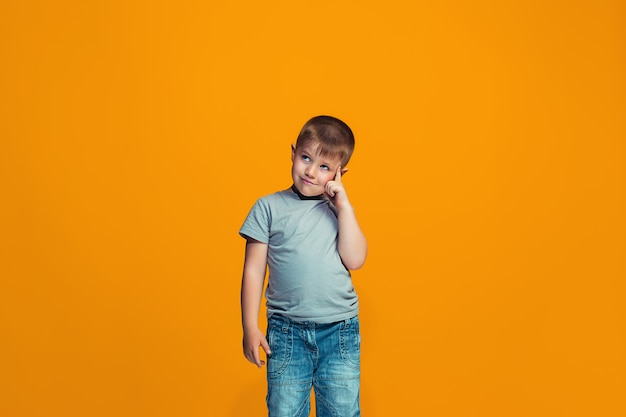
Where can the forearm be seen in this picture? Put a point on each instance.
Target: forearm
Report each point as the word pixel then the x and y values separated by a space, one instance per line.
pixel 352 244
pixel 251 294
pixel 252 283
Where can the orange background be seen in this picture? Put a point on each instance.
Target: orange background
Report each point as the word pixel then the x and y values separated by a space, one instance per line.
pixel 489 177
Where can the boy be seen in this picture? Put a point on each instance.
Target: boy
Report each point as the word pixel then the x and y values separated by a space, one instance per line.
pixel 309 237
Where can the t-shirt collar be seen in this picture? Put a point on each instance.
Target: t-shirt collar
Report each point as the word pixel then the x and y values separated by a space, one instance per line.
pixel 306 197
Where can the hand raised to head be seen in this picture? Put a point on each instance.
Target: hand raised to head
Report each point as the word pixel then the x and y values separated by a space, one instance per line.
pixel 338 174
pixel 336 190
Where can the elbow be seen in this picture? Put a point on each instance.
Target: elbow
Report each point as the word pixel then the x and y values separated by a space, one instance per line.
pixel 352 266
pixel 353 256
pixel 354 262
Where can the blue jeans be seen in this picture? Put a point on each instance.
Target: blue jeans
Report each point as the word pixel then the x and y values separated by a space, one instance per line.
pixel 305 355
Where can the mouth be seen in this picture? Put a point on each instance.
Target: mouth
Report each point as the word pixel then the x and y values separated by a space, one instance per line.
pixel 307 182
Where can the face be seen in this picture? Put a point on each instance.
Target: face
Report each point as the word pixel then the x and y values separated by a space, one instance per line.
pixel 310 171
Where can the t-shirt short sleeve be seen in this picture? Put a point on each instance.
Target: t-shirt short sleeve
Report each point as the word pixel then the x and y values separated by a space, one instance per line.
pixel 257 223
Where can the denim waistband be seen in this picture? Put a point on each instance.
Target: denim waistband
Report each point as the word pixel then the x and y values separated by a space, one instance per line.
pixel 308 324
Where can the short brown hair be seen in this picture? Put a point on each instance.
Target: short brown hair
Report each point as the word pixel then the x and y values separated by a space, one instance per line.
pixel 334 137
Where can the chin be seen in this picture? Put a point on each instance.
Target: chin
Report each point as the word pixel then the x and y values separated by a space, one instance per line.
pixel 308 191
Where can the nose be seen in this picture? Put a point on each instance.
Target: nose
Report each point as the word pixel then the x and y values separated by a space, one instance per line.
pixel 310 172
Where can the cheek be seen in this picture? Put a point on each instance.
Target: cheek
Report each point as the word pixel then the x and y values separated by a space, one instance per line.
pixel 327 177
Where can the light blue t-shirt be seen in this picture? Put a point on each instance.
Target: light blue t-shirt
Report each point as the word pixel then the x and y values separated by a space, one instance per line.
pixel 307 280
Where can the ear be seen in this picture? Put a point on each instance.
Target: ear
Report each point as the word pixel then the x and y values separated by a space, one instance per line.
pixel 293 151
pixel 343 171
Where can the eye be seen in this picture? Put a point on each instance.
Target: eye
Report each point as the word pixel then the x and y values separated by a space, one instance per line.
pixel 324 167
pixel 306 158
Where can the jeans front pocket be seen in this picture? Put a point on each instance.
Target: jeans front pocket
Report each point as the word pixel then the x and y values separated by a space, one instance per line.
pixel 350 342
pixel 280 339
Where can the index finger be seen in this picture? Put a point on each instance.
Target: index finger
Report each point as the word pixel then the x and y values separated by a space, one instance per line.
pixel 338 174
pixel 257 358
